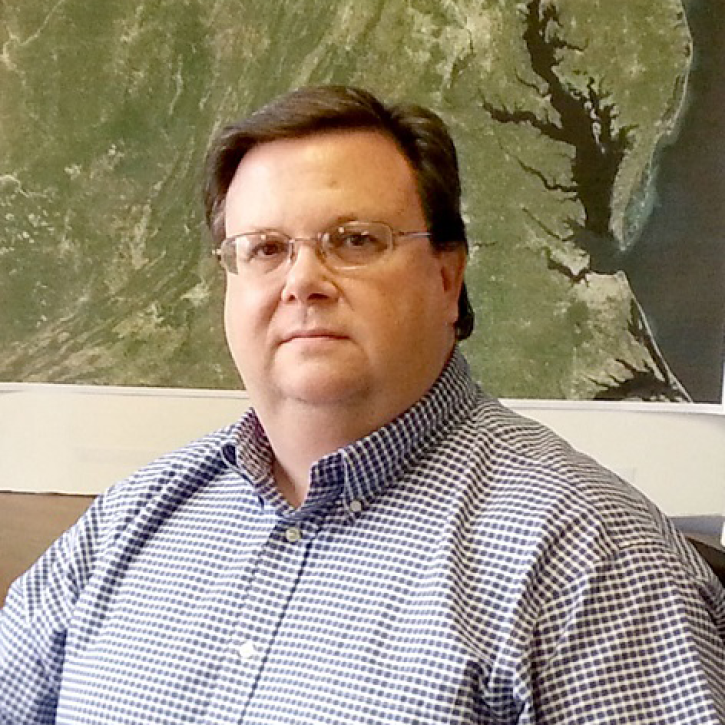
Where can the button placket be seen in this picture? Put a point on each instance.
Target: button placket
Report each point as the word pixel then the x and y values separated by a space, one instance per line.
pixel 259 618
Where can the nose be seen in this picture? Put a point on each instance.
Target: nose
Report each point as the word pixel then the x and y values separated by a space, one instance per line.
pixel 307 277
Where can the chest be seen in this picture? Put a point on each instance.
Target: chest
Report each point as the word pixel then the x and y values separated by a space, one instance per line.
pixel 326 620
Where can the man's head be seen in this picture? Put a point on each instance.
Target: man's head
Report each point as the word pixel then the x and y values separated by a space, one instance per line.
pixel 355 325
pixel 419 133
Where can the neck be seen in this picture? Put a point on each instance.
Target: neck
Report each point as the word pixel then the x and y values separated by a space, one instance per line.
pixel 301 432
pixel 300 435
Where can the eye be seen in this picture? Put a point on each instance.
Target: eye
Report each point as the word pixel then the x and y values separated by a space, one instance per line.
pixel 265 248
pixel 356 238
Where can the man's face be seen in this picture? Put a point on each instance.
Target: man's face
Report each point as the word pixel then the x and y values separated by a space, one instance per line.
pixel 369 339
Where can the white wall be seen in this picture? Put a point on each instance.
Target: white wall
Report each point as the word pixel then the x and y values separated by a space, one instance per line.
pixel 677 459
pixel 74 439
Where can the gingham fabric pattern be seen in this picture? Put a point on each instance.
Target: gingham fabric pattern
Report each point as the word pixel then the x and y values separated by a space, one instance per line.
pixel 460 565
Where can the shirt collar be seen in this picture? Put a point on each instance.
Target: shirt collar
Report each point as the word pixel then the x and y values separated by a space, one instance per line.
pixel 361 470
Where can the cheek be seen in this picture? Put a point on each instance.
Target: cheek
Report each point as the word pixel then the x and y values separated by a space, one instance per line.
pixel 232 306
pixel 418 316
pixel 402 315
pixel 245 316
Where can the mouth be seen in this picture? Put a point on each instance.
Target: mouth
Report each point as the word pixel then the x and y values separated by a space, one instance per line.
pixel 321 335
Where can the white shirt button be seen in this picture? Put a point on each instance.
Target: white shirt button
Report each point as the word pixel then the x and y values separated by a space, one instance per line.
pixel 293 534
pixel 246 650
pixel 356 506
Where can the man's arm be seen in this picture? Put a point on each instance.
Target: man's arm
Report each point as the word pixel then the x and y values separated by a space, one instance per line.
pixel 635 640
pixel 34 621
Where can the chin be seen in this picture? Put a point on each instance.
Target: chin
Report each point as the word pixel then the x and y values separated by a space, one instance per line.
pixel 322 389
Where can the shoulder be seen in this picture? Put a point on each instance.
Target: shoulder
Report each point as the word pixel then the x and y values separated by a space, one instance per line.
pixel 126 514
pixel 175 475
pixel 154 491
pixel 523 483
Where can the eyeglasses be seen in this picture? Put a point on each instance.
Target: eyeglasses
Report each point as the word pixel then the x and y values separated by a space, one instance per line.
pixel 342 246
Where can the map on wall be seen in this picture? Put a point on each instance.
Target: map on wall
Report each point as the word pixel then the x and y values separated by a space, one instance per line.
pixel 591 136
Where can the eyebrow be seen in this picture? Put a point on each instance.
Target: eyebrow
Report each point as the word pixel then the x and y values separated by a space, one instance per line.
pixel 337 220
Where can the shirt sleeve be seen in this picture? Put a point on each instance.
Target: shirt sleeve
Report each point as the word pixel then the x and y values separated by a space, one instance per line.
pixel 34 620
pixel 635 640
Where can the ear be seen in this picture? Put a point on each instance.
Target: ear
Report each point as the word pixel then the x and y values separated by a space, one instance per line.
pixel 452 270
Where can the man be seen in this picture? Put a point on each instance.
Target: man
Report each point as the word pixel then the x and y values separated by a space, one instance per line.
pixel 376 541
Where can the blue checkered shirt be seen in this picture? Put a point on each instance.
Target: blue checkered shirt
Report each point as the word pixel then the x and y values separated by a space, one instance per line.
pixel 460 565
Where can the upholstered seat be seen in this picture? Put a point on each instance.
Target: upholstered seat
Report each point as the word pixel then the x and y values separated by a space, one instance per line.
pixel 29 523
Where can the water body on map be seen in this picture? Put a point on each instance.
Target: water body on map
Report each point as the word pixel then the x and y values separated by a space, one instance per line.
pixel 677 265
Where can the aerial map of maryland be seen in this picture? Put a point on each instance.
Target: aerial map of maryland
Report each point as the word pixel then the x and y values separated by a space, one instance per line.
pixel 595 270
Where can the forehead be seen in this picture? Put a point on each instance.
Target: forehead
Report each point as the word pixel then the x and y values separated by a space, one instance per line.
pixel 330 175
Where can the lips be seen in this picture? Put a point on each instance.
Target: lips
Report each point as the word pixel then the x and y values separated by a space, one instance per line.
pixel 313 334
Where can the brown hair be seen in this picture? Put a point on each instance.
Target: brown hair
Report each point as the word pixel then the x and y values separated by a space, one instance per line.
pixel 421 135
